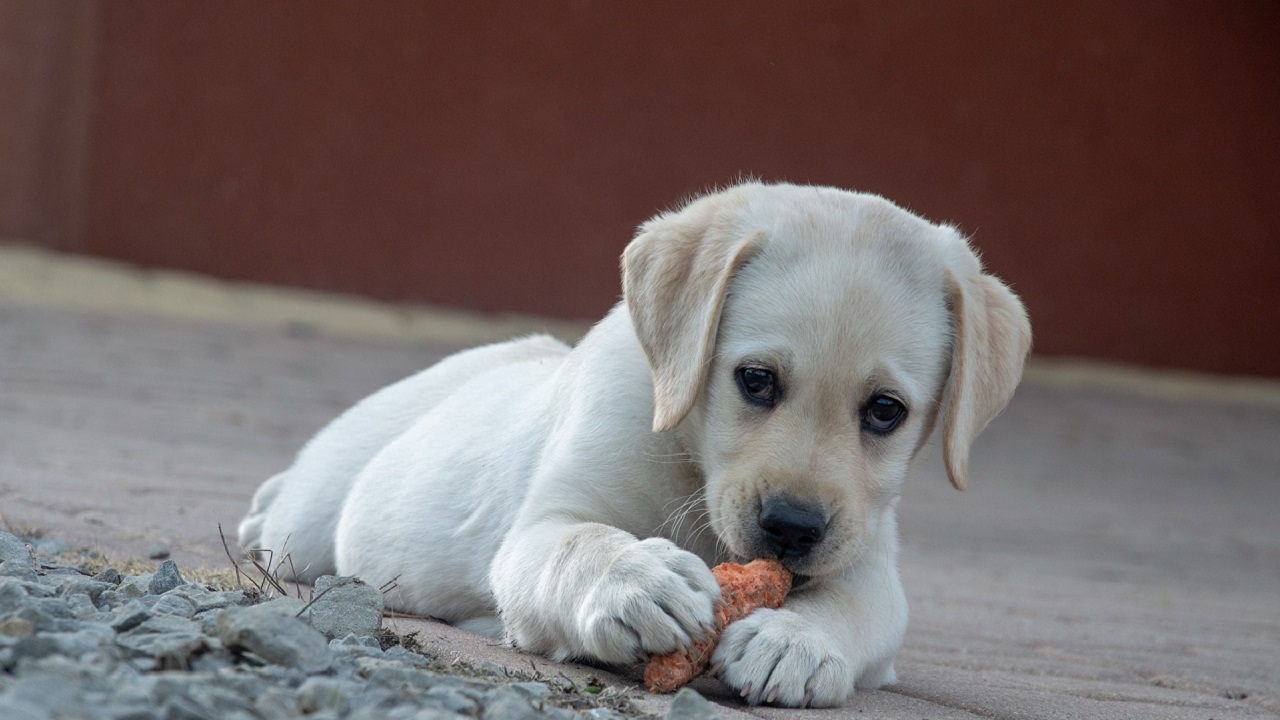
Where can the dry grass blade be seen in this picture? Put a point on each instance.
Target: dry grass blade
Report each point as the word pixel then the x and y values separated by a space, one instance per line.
pixel 234 564
pixel 294 574
pixel 267 576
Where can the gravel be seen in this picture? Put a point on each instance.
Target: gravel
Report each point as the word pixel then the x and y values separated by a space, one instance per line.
pixel 137 647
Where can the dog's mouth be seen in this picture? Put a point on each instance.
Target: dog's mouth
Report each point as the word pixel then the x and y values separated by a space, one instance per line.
pixel 798 581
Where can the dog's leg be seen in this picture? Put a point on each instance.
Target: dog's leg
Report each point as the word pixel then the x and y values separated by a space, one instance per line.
pixel 250 531
pixel 591 591
pixel 822 643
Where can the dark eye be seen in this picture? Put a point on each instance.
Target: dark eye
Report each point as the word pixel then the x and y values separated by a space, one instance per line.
pixel 883 414
pixel 758 385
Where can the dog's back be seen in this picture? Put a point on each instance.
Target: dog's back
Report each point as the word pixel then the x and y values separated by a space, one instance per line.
pixel 296 512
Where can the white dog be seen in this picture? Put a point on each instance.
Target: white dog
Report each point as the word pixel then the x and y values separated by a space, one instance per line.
pixel 780 355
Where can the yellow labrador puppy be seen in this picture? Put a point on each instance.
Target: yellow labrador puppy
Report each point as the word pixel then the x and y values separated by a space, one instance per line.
pixel 780 355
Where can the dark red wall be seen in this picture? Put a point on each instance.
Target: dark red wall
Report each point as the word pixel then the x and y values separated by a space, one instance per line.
pixel 1117 163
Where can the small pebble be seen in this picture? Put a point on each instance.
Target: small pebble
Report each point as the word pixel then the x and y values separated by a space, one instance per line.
pixel 111 576
pixel 688 704
pixel 158 552
pixel 345 606
pixel 166 578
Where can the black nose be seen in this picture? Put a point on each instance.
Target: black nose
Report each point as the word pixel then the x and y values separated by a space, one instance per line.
pixel 790 528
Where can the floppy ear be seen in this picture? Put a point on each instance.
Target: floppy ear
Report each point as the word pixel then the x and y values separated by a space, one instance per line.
pixel 675 274
pixel 992 338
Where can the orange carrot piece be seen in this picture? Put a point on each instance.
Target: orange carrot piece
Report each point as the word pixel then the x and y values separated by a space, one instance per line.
pixel 743 590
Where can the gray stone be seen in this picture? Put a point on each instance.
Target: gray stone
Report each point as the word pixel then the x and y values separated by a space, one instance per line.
pixel 509 703
pixel 165 578
pixel 63 625
pixel 53 614
pixel 13 596
pixel 321 694
pixel 285 604
pixel 425 714
pixel 245 684
pixel 275 703
pixel 281 675
pixel 176 651
pixel 111 600
pixel 135 586
pixel 111 576
pixel 44 692
pixel 15 559
pixel 80 585
pixel 37 589
pixel 397 652
pixel 688 704
pixel 208 622
pixel 52 573
pixel 83 609
pixel 370 712
pixel 127 617
pixel 102 661
pixel 204 690
pixel 177 707
pixel 21 571
pixel 167 624
pixel 55 607
pixel 353 645
pixel 69 645
pixel 391 674
pixel 13 549
pixel 202 599
pixel 451 700
pixel 364 641
pixel 172 604
pixel 272 632
pixel 533 690
pixel 158 551
pixel 30 615
pixel 163 638
pixel 345 606
pixel 212 657
pixel 17 628
pixel 168 640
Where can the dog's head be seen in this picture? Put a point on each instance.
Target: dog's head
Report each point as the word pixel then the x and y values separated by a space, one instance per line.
pixel 804 341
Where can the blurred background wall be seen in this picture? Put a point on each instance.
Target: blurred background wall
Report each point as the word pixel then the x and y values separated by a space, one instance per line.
pixel 1117 163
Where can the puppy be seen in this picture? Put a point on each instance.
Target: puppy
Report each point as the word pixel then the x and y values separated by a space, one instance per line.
pixel 780 355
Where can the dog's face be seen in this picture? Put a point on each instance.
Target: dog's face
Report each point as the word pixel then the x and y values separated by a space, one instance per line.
pixel 804 341
pixel 825 375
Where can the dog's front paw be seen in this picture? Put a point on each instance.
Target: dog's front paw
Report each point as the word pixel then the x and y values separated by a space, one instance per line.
pixel 653 598
pixel 775 656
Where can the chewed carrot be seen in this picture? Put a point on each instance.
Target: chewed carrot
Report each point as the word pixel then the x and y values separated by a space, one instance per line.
pixel 743 590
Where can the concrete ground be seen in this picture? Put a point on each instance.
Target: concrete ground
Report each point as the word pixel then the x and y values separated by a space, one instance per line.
pixel 1117 554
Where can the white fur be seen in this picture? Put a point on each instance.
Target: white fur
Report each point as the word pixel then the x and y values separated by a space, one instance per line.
pixel 574 499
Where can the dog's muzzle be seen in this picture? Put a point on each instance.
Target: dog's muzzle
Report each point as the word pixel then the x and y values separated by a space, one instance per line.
pixel 790 528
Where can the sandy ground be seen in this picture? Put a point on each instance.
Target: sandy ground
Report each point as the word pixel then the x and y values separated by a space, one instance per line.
pixel 1117 554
